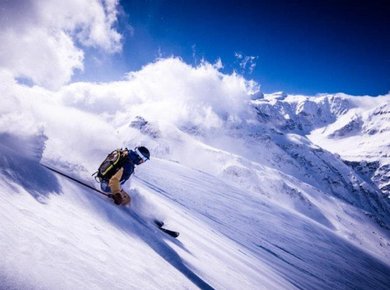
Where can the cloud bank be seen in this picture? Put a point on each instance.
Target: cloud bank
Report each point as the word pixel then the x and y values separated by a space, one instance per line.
pixel 169 93
pixel 169 90
pixel 43 41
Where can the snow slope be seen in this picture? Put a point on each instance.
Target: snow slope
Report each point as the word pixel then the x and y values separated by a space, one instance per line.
pixel 258 205
pixel 229 237
pixel 356 128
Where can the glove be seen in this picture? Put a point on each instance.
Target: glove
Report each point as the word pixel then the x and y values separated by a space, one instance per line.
pixel 121 198
pixel 117 197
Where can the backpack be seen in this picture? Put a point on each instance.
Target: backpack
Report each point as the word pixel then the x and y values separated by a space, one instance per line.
pixel 113 162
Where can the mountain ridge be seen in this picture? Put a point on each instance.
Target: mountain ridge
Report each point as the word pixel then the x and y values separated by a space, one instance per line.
pixel 334 122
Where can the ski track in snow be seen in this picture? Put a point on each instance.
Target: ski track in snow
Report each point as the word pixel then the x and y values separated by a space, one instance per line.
pixel 255 224
pixel 60 231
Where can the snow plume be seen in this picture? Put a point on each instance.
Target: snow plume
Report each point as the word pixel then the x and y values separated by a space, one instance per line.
pixel 169 91
pixel 42 41
pixel 94 117
pixel 35 111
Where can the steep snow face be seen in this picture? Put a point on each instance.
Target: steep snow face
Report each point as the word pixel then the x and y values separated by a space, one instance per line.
pixel 255 200
pixel 362 136
pixel 230 237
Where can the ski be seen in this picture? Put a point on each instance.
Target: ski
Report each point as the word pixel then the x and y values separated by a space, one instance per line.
pixel 76 180
pixel 160 225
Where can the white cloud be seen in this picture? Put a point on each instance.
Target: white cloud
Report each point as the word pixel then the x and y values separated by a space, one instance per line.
pixel 246 62
pixel 42 40
pixel 168 91
pixel 218 64
pixel 84 117
pixel 172 91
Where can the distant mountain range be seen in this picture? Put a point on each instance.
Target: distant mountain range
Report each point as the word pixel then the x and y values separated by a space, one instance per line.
pixel 355 128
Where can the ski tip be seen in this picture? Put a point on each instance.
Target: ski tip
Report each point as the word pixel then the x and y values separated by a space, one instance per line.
pixel 173 234
pixel 158 223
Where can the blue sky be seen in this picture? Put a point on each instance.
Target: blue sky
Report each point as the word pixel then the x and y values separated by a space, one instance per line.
pixel 296 46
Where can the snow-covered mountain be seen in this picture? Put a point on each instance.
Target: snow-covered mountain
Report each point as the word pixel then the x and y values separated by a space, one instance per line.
pixel 356 128
pixel 267 191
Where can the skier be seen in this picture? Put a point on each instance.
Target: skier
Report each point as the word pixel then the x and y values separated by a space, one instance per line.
pixel 122 169
pixel 115 170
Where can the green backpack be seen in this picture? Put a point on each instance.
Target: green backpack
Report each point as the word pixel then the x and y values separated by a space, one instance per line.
pixel 113 162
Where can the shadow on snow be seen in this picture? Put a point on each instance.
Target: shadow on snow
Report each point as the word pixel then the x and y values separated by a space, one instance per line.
pixel 19 164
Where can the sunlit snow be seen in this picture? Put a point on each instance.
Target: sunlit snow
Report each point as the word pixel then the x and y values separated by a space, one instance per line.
pixel 247 180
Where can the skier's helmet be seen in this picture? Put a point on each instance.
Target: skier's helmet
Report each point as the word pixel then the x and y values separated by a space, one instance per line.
pixel 143 153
